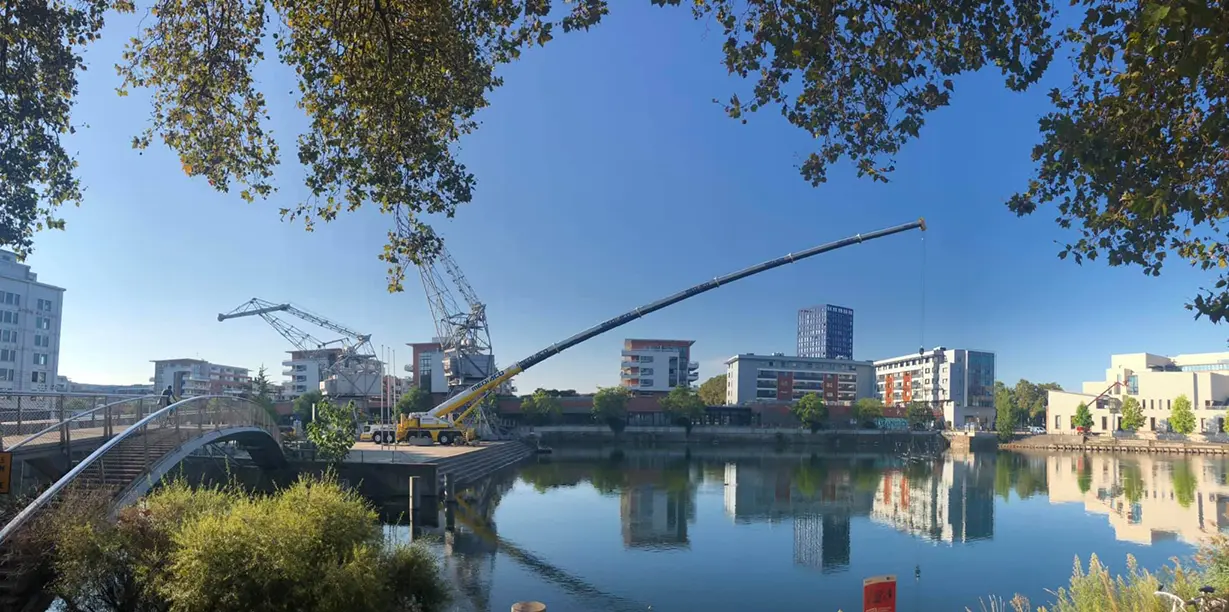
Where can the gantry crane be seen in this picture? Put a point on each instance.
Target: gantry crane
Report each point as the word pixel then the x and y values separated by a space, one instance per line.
pixel 351 371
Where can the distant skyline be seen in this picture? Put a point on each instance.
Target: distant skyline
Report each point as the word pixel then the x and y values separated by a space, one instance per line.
pixel 607 179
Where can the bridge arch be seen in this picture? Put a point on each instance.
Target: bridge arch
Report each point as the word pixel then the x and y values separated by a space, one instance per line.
pixel 136 458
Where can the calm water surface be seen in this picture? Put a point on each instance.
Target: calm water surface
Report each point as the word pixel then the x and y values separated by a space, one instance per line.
pixel 739 530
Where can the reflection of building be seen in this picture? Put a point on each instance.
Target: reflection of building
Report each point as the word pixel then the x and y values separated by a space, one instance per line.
pixel 825 331
pixel 1155 381
pixel 959 382
pixel 1146 499
pixel 777 378
pixel 951 505
pixel 657 366
pixel 653 517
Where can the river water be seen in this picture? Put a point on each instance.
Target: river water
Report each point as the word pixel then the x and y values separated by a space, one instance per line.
pixel 723 529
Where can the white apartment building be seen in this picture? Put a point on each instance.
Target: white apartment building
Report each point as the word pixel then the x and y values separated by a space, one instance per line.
pixel 958 382
pixel 753 378
pixel 304 369
pixel 657 366
pixel 1155 381
pixel 194 377
pixel 30 314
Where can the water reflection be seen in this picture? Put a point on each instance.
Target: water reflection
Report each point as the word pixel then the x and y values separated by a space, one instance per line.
pixel 619 530
pixel 1147 499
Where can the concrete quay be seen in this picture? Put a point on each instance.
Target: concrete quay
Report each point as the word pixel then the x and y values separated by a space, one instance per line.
pixel 1142 442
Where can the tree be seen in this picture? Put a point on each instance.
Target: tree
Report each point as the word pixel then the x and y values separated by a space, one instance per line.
pixel 919 415
pixel 683 406
pixel 1082 417
pixel 1006 413
pixel 1031 398
pixel 610 407
pixel 303 405
pixel 198 550
pixel 333 430
pixel 541 407
pixel 388 88
pixel 811 411
pixel 1181 417
pixel 712 391
pixel 1132 414
pixel 262 392
pixel 415 399
pixel 867 410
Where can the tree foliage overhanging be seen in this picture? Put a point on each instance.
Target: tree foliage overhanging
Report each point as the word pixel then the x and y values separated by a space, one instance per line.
pixel 1130 153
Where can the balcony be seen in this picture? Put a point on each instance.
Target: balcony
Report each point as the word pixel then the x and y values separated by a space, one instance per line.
pixel 626 374
pixel 693 365
pixel 693 376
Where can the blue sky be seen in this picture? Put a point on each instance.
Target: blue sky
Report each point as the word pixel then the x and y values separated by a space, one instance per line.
pixel 607 179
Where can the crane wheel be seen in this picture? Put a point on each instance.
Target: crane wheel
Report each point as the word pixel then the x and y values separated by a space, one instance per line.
pixel 445 438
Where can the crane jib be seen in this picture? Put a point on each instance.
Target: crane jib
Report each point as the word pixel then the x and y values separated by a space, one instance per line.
pixel 478 390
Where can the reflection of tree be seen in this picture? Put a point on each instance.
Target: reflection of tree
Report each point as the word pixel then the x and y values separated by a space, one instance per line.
pixel 866 476
pixel 550 475
pixel 1184 483
pixel 1002 477
pixel 1132 479
pixel 1084 476
pixel 810 476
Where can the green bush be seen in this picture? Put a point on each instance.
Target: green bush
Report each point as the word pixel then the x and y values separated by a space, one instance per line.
pixel 312 547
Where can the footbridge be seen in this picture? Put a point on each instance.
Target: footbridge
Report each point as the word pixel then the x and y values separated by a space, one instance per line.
pixel 135 443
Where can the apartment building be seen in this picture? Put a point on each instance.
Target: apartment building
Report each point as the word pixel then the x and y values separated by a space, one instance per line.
pixel 754 378
pixel 195 377
pixel 825 331
pixel 305 370
pixel 957 382
pixel 657 366
pixel 426 366
pixel 1155 381
pixel 30 314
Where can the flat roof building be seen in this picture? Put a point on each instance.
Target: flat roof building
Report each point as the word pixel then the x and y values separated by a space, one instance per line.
pixel 30 317
pixel 657 366
pixel 1155 381
pixel 754 378
pixel 825 331
pixel 959 383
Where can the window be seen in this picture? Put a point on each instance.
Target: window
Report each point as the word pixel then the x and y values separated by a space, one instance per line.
pixel 9 317
pixel 10 299
pixel 9 335
pixel 646 382
pixel 646 371
pixel 8 375
pixel 44 305
pixel 39 322
pixel 42 340
pixel 38 377
pixel 40 359
pixel 8 355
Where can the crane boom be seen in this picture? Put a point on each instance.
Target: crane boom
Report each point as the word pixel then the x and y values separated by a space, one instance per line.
pixel 494 380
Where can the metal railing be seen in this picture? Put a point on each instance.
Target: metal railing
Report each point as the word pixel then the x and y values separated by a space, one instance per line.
pixel 130 454
pixel 90 425
pixel 23 414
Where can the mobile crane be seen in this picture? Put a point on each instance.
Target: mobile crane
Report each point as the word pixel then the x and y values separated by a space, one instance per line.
pixel 444 424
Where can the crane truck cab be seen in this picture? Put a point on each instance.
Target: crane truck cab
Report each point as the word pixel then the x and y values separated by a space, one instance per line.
pixel 423 427
pixel 380 433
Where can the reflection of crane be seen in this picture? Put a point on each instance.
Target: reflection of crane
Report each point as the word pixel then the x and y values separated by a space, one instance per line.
pixel 354 364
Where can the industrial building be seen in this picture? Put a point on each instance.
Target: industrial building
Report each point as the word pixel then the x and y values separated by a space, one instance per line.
pixel 957 382
pixel 1155 381
pixel 752 378
pixel 825 331
pixel 657 366
pixel 30 314
pixel 194 377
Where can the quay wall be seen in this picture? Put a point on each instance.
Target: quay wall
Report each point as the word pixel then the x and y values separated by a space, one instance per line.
pixel 1141 442
pixel 836 441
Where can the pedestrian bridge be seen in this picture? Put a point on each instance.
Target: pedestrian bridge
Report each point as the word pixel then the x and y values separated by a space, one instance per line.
pixel 132 444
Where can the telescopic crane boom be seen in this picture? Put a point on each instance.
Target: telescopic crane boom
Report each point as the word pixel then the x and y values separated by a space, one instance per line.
pixel 476 391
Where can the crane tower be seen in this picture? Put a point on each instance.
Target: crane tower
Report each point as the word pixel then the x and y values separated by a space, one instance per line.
pixel 350 370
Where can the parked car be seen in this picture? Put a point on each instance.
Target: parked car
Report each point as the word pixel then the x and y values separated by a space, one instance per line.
pixel 1036 430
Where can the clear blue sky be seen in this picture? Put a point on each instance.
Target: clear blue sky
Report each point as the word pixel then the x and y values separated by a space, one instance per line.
pixel 608 179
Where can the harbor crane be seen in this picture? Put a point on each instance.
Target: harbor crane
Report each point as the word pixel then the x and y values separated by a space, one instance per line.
pixel 463 333
pixel 444 422
pixel 351 370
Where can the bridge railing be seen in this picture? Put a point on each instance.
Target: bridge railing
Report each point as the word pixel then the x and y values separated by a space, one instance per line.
pixel 130 454
pixel 32 419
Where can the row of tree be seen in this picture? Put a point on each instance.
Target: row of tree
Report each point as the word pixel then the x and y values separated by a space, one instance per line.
pixel 812 412
pixel 1024 404
pixel 1181 415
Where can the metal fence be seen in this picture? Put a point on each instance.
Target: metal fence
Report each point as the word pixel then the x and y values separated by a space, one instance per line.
pixel 28 419
pixel 133 452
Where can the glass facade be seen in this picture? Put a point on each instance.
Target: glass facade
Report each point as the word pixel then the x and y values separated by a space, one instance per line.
pixel 825 331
